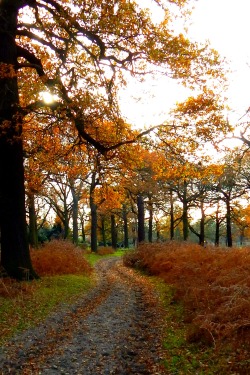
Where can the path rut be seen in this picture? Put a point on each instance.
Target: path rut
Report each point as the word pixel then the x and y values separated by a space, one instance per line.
pixel 115 329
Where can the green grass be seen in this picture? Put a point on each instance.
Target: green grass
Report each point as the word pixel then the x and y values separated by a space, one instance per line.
pixel 42 297
pixel 183 357
pixel 92 258
pixel 31 302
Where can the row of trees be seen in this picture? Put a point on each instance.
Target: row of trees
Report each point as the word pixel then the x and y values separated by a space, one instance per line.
pixel 82 52
pixel 111 199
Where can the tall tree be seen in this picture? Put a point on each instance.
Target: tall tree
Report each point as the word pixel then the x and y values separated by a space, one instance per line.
pixel 125 225
pixel 15 256
pixel 79 51
pixel 113 232
pixel 141 218
pixel 231 185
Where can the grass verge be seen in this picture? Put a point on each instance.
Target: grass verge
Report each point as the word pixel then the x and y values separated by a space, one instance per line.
pixel 92 258
pixel 33 301
pixel 184 357
pixel 206 297
pixel 25 304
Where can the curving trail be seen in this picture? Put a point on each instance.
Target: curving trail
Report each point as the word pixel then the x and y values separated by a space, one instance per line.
pixel 114 329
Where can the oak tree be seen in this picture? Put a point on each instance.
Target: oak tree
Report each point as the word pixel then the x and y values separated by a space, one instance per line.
pixel 77 50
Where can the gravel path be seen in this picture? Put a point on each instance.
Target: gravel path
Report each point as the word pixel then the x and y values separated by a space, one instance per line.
pixel 114 329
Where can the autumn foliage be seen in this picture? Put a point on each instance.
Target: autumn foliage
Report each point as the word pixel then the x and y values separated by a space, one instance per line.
pixel 105 250
pixel 213 285
pixel 59 258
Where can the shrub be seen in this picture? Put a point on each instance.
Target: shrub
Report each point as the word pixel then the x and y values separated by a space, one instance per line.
pixel 59 257
pixel 212 283
pixel 105 250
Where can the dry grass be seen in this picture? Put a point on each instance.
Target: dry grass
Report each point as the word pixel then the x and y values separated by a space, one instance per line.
pixel 213 285
pixel 59 258
pixel 10 288
pixel 65 275
pixel 54 258
pixel 105 250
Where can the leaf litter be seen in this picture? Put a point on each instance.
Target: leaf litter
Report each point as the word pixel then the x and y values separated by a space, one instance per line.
pixel 117 328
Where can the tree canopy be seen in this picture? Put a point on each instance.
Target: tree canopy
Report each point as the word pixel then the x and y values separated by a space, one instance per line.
pixel 80 52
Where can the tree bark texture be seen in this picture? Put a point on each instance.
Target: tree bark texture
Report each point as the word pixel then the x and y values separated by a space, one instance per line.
pixel 103 230
pixel 171 215
pixel 15 257
pixel 228 223
pixel 202 226
pixel 217 228
pixel 33 235
pixel 113 232
pixel 75 214
pixel 65 218
pixel 141 218
pixel 83 231
pixel 150 221
pixel 125 226
pixel 185 213
pixel 93 235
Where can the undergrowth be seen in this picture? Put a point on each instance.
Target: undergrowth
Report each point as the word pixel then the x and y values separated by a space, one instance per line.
pixel 103 252
pixel 210 288
pixel 66 273
pixel 28 303
pixel 59 258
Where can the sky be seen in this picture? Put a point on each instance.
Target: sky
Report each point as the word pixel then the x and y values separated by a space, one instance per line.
pixel 226 24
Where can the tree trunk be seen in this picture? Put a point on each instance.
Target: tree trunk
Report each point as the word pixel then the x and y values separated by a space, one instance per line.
pixel 150 221
pixel 75 215
pixel 217 228
pixel 83 231
pixel 113 232
pixel 202 226
pixel 103 230
pixel 141 219
pixel 185 213
pixel 93 235
pixel 33 236
pixel 158 237
pixel 228 223
pixel 171 215
pixel 125 226
pixel 66 224
pixel 15 256
pixel 75 221
pixel 93 214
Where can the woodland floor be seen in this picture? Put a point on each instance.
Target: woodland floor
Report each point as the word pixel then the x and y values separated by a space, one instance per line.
pixel 117 328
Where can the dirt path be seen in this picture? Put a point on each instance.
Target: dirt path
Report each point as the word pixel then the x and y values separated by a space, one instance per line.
pixel 115 329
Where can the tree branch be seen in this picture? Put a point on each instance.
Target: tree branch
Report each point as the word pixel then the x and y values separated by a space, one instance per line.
pixel 33 36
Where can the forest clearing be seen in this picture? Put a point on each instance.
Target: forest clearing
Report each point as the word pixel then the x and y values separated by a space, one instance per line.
pixel 191 315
